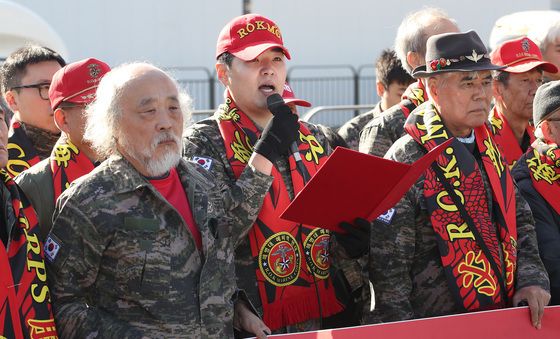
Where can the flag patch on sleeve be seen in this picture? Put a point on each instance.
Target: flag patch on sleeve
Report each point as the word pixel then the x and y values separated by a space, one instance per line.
pixel 206 163
pixel 52 246
pixel 387 216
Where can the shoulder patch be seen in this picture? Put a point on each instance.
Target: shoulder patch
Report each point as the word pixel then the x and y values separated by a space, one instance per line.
pixel 206 163
pixel 52 246
pixel 387 216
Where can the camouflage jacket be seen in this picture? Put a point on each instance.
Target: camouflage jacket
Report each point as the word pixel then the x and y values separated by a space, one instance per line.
pixel 405 264
pixel 351 130
pixel 204 140
pixel 127 265
pixel 381 132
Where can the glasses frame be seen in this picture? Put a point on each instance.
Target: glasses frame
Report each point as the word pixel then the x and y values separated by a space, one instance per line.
pixel 40 88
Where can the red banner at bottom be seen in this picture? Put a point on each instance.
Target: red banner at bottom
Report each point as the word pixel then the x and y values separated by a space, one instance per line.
pixel 507 323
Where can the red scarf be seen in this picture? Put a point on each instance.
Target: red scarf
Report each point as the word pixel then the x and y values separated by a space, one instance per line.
pixel 284 266
pixel 504 137
pixel 21 152
pixel 25 310
pixel 414 96
pixel 68 163
pixel 544 166
pixel 471 278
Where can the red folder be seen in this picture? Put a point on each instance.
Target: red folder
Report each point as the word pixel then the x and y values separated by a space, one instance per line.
pixel 352 184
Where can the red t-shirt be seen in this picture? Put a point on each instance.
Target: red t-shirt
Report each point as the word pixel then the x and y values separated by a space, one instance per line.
pixel 172 190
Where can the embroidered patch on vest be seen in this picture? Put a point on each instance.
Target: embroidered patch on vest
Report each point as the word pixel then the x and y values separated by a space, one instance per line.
pixel 206 163
pixel 52 246
pixel 387 216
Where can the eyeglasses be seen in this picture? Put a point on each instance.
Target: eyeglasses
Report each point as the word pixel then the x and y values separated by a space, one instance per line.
pixel 42 88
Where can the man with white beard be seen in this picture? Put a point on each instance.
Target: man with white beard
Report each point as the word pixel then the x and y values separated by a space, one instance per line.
pixel 143 246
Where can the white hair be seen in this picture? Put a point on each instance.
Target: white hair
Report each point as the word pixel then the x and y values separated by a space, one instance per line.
pixel 412 33
pixel 103 114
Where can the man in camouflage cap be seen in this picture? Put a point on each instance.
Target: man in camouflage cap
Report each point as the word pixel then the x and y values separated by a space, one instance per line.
pixel 142 245
pixel 462 238
pixel 410 45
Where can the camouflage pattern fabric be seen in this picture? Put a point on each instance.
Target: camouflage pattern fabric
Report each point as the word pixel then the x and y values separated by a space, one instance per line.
pixel 351 130
pixel 128 266
pixel 380 133
pixel 405 264
pixel 203 142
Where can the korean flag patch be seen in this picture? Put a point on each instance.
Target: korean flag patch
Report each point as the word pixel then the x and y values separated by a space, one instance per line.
pixel 52 246
pixel 206 163
pixel 387 216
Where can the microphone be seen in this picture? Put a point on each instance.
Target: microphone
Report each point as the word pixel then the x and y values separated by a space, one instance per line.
pixel 277 106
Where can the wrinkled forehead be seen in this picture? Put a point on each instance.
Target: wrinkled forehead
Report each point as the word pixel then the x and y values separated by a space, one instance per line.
pixel 148 86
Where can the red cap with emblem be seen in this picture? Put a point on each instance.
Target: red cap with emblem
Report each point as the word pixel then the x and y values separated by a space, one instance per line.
pixel 77 82
pixel 248 36
pixel 520 55
pixel 289 97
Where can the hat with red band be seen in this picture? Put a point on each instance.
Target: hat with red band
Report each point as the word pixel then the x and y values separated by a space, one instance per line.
pixel 520 55
pixel 289 97
pixel 77 82
pixel 247 36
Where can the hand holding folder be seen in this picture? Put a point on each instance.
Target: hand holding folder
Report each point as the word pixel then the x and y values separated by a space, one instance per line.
pixel 351 184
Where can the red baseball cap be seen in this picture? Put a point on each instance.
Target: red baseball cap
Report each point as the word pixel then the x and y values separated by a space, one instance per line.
pixel 249 35
pixel 520 55
pixel 77 82
pixel 289 97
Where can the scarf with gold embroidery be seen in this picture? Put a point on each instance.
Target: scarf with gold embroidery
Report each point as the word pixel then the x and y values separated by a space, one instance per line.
pixel 68 163
pixel 471 277
pixel 504 137
pixel 543 161
pixel 25 310
pixel 21 153
pixel 414 96
pixel 292 261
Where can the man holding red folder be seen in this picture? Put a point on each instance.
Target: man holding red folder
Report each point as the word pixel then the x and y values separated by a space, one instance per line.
pixel 283 266
pixel 461 239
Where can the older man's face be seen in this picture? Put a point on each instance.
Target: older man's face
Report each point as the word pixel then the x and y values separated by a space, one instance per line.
pixel 151 122
pixel 551 128
pixel 463 99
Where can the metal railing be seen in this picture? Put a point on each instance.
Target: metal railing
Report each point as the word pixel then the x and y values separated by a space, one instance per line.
pixel 334 116
pixel 326 85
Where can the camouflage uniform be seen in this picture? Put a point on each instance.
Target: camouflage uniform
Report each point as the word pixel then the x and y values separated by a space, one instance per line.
pixel 128 266
pixel 42 140
pixel 405 263
pixel 352 129
pixel 205 140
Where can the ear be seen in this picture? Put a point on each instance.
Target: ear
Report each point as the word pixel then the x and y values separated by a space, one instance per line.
pixel 60 119
pixel 222 72
pixel 380 88
pixel 497 89
pixel 432 86
pixel 11 99
pixel 414 60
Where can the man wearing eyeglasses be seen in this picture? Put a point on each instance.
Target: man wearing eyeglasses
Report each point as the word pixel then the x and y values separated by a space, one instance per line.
pixel 26 77
pixel 72 88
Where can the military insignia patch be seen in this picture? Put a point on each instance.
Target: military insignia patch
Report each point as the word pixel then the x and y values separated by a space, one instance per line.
pixel 387 216
pixel 52 246
pixel 94 70
pixel 206 163
pixel 316 247
pixel 280 259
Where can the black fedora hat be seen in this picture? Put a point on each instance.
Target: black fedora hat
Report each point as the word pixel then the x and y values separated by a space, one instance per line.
pixel 455 52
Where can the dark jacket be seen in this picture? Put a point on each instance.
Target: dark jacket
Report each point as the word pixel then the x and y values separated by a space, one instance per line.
pixel 547 224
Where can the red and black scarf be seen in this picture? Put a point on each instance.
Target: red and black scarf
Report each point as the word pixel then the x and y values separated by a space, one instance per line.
pixel 472 279
pixel 25 310
pixel 543 161
pixel 414 96
pixel 286 254
pixel 504 137
pixel 21 152
pixel 68 163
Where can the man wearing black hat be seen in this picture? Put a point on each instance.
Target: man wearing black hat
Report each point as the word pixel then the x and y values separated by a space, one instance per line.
pixel 537 174
pixel 461 239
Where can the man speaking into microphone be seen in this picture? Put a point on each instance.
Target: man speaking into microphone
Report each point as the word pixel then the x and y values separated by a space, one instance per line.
pixel 284 267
